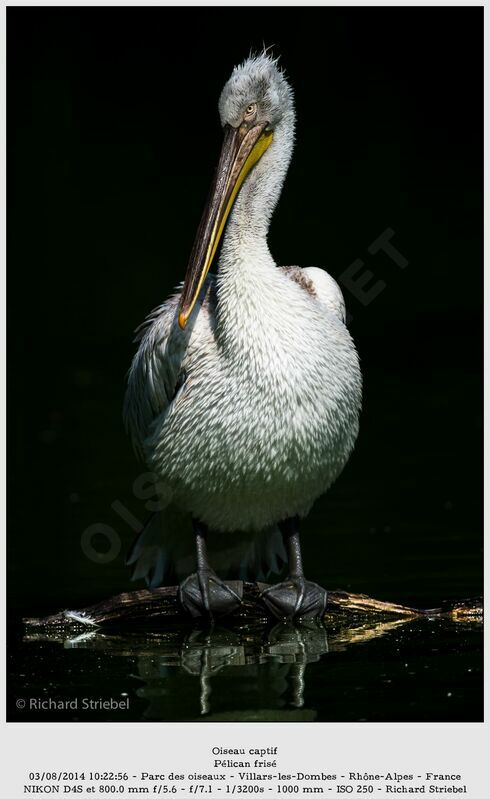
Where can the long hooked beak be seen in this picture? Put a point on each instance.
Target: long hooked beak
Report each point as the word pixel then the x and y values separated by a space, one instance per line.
pixel 242 148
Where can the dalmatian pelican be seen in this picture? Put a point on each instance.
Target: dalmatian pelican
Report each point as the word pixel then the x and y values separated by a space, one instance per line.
pixel 244 395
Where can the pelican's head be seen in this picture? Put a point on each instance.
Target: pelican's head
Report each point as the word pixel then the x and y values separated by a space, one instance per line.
pixel 253 105
pixel 256 88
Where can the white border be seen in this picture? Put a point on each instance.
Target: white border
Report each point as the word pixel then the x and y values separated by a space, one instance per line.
pixel 184 746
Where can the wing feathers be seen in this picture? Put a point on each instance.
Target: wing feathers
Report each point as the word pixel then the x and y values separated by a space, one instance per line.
pixel 155 371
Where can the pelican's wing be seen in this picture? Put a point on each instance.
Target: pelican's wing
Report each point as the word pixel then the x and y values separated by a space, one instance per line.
pixel 156 372
pixel 319 284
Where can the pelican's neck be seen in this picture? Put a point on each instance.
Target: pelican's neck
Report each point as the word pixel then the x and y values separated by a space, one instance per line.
pixel 246 277
pixel 250 218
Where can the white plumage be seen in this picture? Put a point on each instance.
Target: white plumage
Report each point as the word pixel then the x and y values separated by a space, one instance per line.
pixel 250 413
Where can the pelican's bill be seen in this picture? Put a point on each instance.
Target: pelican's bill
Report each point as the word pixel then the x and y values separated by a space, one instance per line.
pixel 242 148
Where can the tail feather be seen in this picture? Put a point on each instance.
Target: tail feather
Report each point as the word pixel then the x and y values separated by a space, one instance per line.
pixel 265 556
pixel 158 548
pixel 163 552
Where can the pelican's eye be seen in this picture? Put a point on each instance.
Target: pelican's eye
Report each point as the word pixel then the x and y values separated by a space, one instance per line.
pixel 250 110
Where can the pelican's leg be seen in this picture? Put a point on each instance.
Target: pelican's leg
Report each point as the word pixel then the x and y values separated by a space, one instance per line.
pixel 295 597
pixel 203 593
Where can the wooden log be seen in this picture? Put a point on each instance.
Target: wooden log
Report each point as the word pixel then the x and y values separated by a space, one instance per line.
pixel 161 607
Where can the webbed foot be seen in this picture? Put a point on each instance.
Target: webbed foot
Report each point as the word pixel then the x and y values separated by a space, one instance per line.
pixel 295 598
pixel 204 594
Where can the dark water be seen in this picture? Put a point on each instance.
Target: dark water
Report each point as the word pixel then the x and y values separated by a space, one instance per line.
pixel 427 670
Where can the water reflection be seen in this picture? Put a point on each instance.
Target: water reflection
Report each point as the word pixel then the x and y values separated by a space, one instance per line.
pixel 196 672
pixel 274 666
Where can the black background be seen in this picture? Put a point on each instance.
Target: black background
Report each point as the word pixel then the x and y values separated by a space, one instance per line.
pixel 113 135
